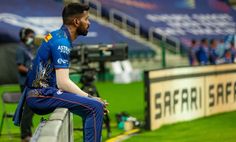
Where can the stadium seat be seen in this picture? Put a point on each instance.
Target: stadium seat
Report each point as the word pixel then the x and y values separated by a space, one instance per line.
pixel 7 99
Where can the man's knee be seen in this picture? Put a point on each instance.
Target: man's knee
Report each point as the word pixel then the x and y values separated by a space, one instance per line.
pixel 98 107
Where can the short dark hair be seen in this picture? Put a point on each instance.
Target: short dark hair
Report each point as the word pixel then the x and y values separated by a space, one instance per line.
pixel 204 40
pixel 212 41
pixel 232 43
pixel 73 9
pixel 193 41
pixel 24 32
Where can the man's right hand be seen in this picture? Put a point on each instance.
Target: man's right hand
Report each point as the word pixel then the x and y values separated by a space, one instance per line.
pixel 104 102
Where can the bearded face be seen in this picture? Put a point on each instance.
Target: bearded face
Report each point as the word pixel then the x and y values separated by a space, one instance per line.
pixel 82 29
pixel 83 25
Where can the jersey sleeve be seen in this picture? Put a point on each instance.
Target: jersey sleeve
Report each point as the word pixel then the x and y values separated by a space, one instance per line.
pixel 60 54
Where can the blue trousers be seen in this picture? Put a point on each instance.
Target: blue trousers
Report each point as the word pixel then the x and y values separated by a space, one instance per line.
pixel 46 100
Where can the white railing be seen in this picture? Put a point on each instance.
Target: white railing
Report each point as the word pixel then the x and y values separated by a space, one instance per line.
pixel 97 8
pixel 124 20
pixel 174 48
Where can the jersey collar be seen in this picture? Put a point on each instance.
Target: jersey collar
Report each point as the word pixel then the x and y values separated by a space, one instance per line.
pixel 65 29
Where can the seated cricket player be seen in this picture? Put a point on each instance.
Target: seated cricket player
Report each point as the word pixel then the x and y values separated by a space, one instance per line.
pixel 48 85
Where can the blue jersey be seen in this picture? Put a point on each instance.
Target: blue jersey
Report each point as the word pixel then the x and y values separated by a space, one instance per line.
pixel 52 54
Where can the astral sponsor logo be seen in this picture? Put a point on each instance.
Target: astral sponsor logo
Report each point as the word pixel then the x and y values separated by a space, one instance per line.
pixel 62 61
pixel 64 49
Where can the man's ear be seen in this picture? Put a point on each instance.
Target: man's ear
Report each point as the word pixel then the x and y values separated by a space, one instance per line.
pixel 76 22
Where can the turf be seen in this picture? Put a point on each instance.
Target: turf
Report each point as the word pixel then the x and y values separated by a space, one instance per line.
pixel 218 128
pixel 10 132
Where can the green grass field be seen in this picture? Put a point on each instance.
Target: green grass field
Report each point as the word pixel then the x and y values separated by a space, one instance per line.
pixel 218 128
pixel 130 98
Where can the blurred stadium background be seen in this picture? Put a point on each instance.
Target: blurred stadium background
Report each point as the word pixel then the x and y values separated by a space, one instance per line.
pixel 159 35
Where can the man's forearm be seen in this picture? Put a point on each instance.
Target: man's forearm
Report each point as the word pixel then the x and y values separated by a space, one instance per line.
pixel 64 83
pixel 71 87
